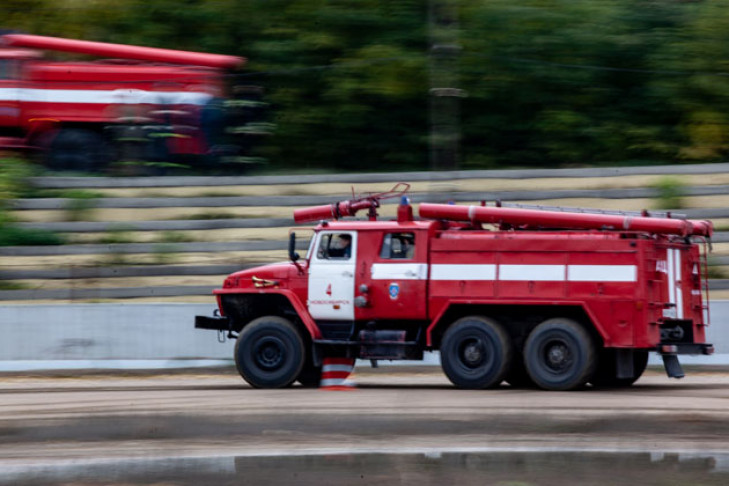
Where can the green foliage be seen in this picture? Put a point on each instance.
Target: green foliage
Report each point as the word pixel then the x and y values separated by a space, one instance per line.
pixel 135 168
pixel 669 193
pixel 12 285
pixel 114 258
pixel 80 205
pixel 174 237
pixel 165 254
pixel 715 271
pixel 548 82
pixel 33 192
pixel 210 215
pixel 11 235
pixel 117 235
pixel 14 179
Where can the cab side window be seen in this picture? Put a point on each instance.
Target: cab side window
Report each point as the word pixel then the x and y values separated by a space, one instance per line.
pixel 398 246
pixel 335 247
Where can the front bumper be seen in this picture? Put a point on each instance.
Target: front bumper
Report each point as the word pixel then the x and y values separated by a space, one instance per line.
pixel 217 323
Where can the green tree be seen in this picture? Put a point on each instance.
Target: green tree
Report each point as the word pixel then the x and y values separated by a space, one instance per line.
pixel 548 82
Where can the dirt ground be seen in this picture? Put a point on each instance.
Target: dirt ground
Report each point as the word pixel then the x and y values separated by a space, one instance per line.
pixel 49 418
pixel 87 428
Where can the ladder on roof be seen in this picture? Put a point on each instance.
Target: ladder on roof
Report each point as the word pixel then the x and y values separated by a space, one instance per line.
pixel 613 212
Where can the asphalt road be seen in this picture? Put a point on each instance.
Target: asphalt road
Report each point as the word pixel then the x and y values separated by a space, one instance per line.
pixel 48 423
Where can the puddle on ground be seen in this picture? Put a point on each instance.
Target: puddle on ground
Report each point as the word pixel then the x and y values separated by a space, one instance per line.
pixel 423 469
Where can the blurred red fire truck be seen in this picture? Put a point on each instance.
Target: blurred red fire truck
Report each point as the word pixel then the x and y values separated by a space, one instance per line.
pixel 143 103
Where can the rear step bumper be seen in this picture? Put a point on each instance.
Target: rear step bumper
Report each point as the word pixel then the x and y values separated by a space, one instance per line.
pixel 670 352
pixel 684 348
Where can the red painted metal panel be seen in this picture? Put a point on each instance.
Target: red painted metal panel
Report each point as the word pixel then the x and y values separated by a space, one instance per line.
pixel 300 308
pixel 104 49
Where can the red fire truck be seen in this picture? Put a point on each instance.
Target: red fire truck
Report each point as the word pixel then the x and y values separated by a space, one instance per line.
pixel 164 102
pixel 553 298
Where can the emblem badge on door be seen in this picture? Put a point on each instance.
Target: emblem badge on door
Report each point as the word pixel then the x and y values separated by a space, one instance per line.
pixel 394 291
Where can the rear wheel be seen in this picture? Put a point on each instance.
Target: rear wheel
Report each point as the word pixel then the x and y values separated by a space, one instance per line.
pixel 606 374
pixel 476 352
pixel 559 354
pixel 269 353
pixel 77 149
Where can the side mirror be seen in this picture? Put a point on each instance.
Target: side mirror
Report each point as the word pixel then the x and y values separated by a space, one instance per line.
pixel 293 256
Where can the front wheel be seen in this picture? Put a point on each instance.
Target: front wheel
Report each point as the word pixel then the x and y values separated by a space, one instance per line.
pixel 476 353
pixel 269 353
pixel 559 354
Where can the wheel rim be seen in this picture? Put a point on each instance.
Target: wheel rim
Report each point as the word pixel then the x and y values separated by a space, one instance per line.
pixel 472 353
pixel 269 353
pixel 557 356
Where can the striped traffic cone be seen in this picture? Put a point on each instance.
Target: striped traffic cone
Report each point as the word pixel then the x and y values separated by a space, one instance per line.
pixel 335 373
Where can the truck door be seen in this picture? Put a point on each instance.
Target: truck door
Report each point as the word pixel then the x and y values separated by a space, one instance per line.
pixel 396 276
pixel 331 276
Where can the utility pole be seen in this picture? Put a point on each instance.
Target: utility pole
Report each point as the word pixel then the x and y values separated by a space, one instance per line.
pixel 444 96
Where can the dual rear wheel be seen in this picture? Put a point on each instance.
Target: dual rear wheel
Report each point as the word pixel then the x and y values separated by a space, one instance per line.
pixel 559 354
pixel 476 352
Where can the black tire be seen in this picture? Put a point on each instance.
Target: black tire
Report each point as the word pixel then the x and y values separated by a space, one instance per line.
pixel 476 352
pixel 559 354
pixel 606 373
pixel 269 353
pixel 77 149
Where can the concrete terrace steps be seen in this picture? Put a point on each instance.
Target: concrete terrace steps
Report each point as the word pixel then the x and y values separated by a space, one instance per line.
pixel 138 182
pixel 257 201
pixel 240 223
pixel 162 225
pixel 284 204
pixel 137 248
pixel 90 272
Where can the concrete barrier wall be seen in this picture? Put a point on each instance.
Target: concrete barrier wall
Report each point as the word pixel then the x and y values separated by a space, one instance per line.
pixel 162 335
pixel 107 332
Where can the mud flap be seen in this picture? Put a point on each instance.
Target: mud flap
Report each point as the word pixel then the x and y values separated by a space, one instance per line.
pixel 624 363
pixel 673 367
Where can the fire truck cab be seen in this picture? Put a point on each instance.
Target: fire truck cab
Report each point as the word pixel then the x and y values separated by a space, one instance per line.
pixel 531 300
